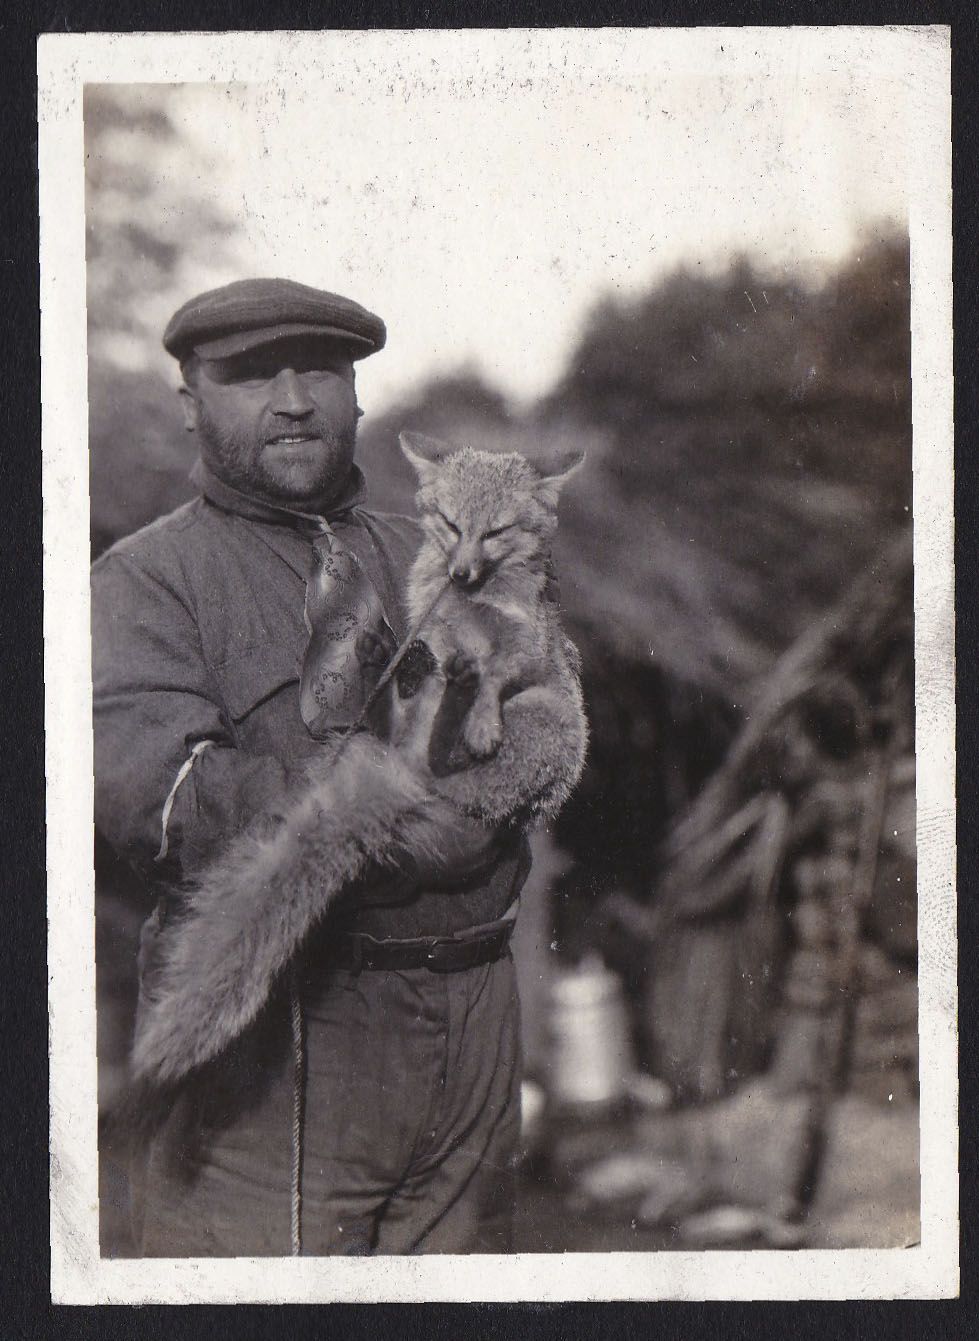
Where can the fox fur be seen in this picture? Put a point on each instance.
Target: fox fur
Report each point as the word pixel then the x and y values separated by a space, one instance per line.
pixel 373 801
pixel 489 521
pixel 246 915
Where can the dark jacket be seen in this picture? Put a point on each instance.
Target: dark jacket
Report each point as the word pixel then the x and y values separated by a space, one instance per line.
pixel 198 636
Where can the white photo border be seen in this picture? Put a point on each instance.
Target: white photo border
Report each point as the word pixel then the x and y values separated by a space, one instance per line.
pixel 917 58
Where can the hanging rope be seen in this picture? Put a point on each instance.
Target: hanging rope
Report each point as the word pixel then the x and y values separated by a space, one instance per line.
pixel 298 1098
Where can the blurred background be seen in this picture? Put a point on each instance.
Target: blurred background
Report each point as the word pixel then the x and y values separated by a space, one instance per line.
pixel 706 284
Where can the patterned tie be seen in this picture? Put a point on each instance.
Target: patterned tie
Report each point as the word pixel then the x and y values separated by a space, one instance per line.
pixel 341 605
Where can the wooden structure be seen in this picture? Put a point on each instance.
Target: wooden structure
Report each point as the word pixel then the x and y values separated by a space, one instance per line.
pixel 791 877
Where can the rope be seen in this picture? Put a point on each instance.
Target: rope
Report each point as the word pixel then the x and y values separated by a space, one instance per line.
pixel 185 768
pixel 298 1088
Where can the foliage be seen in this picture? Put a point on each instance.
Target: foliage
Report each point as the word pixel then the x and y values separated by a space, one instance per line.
pixel 140 460
pixel 146 228
pixel 146 221
pixel 759 453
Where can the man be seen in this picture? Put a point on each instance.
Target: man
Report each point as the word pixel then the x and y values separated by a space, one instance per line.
pixel 395 1129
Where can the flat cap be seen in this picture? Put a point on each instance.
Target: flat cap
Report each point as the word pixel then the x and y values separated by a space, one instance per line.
pixel 253 312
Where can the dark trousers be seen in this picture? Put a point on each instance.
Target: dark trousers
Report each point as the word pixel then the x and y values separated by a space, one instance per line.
pixel 411 1120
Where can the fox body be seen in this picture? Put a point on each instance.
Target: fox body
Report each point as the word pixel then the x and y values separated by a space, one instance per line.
pixel 489 520
pixel 492 725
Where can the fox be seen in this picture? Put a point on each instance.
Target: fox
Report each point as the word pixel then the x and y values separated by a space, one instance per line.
pixel 485 715
pixel 488 521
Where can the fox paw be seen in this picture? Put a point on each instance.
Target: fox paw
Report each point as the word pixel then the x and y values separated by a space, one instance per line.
pixel 461 669
pixel 482 737
pixel 416 666
pixel 371 649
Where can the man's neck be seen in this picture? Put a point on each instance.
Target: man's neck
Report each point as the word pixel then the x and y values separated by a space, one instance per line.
pixel 232 499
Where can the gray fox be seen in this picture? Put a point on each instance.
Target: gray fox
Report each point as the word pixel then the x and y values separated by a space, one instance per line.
pixel 489 520
pixel 487 717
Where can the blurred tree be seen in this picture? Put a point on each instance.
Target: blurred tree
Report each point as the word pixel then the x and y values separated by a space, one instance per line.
pixel 140 456
pixel 147 220
pixel 459 407
pixel 754 453
pixel 758 451
pixel 148 225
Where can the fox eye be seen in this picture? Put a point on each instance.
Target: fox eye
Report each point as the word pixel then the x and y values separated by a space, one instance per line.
pixel 491 535
pixel 451 525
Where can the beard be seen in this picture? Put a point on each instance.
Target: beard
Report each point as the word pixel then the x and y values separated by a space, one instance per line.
pixel 316 472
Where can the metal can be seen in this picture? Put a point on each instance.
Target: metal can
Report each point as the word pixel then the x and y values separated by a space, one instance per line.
pixel 591 1056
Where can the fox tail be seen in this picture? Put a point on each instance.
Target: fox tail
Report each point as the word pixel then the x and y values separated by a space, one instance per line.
pixel 247 914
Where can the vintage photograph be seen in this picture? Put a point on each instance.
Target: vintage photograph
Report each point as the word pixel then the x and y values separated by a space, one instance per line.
pixel 506 736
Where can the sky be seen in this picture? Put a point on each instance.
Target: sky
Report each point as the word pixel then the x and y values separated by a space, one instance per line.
pixel 482 195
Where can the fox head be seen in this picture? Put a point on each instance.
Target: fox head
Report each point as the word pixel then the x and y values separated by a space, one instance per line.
pixel 486 511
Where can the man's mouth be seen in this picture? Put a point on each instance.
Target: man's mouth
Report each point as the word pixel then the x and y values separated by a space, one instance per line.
pixel 290 439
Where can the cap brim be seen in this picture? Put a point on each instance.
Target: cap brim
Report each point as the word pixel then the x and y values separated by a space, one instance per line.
pixel 226 346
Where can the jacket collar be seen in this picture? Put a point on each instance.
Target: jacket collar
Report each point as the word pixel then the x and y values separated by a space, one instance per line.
pixel 229 499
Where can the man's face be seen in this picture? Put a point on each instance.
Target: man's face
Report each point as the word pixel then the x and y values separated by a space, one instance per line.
pixel 280 421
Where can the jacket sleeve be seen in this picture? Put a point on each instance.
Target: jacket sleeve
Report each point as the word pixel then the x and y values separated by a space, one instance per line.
pixel 170 784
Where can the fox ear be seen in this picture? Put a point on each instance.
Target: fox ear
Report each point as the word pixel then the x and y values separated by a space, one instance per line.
pixel 554 468
pixel 425 454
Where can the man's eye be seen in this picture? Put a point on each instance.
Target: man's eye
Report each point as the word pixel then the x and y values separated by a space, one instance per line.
pixel 451 525
pixel 246 374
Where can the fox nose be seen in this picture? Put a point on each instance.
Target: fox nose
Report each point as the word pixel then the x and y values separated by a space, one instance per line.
pixel 463 574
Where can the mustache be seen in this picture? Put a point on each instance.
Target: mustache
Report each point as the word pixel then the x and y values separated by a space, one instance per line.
pixel 295 428
pixel 309 427
pixel 241 447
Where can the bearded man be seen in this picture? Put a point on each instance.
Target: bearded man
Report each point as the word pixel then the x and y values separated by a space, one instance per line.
pixel 402 1138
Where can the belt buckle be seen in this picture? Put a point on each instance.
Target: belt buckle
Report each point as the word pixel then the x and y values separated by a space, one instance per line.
pixel 431 954
pixel 453 947
pixel 464 952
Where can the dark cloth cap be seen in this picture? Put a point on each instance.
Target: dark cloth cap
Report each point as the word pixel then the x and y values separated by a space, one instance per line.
pixel 253 312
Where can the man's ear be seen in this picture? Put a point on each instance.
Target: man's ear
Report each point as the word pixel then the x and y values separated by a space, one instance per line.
pixel 554 468
pixel 425 454
pixel 188 403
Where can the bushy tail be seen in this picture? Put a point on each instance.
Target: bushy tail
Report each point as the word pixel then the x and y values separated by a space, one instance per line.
pixel 249 912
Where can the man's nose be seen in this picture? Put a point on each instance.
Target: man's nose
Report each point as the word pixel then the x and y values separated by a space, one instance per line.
pixel 289 396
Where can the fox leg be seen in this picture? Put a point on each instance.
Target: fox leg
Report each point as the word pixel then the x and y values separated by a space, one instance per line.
pixel 373 653
pixel 499 677
pixel 483 730
pixel 416 719
pixel 447 753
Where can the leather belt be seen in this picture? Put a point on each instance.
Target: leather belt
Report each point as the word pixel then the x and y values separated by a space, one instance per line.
pixel 355 950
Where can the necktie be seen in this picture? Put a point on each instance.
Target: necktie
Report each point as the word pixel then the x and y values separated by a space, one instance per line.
pixel 341 606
